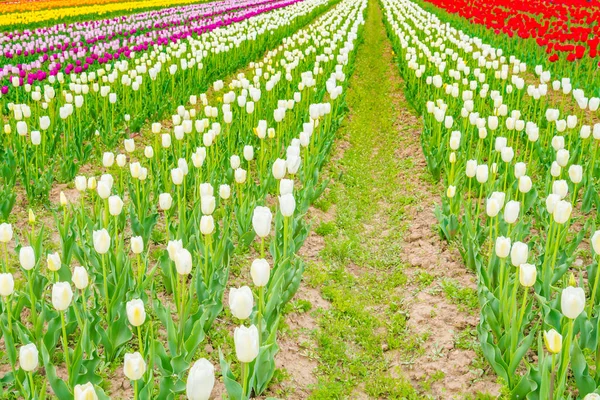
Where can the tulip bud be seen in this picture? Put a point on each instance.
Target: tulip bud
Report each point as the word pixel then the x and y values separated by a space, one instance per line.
pixel 525 184
pixel 27 258
pixel 225 191
pixel 134 367
pixel 166 140
pixel 246 343
pixel 287 205
pixel 553 341
pixel 129 145
pixel 562 212
pixel 207 204
pixel 511 211
pixel 85 392
pixel 201 380
pixel 240 175
pixel 137 244
pixel 471 168
pixel 451 192
pixel 241 302
pixel 561 188
pixel 183 262
pixel 482 173
pixel 136 314
pixel 61 296
pixel 555 169
pixel 165 201
pixel 28 357
pixel 135 169
pixel 248 153
pixel 519 253
pixel 234 161
pixel 177 176
pixel 260 272
pixel 7 284
pixel 520 169
pixel 596 242
pixel 80 278
pixel 502 247
pixel 92 183
pixel 527 275
pixel 80 183
pixel 115 205
pixel 279 169
pixel 207 225
pixel 31 217
pixel 261 221
pixel 562 157
pixel 286 186
pixel 576 173
pixel 101 241
pixel 551 202
pixel 54 262
pixel 108 159
pixel 148 152
pixel 492 208
pixel 572 301
pixel 121 160
pixel 63 199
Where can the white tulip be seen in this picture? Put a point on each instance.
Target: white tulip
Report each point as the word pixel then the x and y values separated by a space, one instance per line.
pixel 61 296
pixel 260 272
pixel 101 241
pixel 201 380
pixel 28 357
pixel 136 313
pixel 80 278
pixel 246 343
pixel 134 367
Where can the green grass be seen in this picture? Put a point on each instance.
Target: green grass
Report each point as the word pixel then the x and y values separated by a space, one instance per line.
pixel 464 298
pixel 361 273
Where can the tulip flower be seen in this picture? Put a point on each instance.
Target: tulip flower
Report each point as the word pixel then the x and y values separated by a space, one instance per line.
pixel 28 357
pixel 136 314
pixel 572 301
pixel 201 380
pixel 27 258
pixel 519 253
pixel 134 369
pixel 527 274
pixel 553 341
pixel 241 302
pixel 101 241
pixel 246 342
pixel 85 392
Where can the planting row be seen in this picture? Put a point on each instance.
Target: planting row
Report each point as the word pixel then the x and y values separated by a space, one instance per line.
pixel 134 272
pixel 521 198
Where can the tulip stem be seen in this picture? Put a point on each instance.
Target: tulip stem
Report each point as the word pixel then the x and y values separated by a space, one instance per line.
pixel 5 258
pixel 520 321
pixel 135 390
pixel 566 351
pixel 65 343
pixel 8 314
pixel 206 251
pixel 32 299
pixel 139 332
pixel 105 288
pixel 593 299
pixel 244 379
pixel 285 236
pixel 552 374
pixel 31 385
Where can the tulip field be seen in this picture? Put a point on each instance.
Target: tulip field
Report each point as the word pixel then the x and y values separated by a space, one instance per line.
pixel 299 199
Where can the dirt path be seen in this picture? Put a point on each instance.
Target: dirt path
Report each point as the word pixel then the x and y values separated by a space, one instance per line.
pixel 386 309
